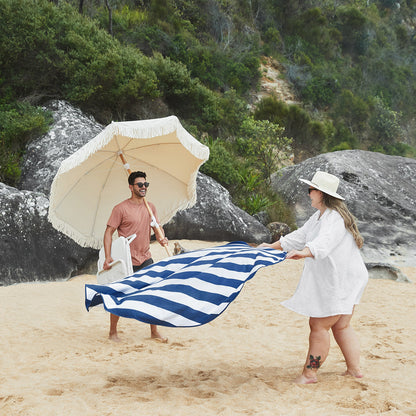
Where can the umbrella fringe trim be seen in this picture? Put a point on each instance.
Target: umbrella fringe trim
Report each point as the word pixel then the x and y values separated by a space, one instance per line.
pixel 64 228
pixel 195 147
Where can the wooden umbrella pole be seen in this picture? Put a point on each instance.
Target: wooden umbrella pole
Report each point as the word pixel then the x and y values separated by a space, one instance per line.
pixel 156 227
pixel 125 164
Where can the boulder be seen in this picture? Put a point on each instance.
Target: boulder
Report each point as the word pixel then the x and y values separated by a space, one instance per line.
pixel 386 271
pixel 263 217
pixel 70 130
pixel 48 254
pixel 31 249
pixel 380 191
pixel 215 218
pixel 277 230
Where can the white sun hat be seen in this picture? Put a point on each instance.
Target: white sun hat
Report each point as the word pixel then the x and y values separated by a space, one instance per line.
pixel 324 182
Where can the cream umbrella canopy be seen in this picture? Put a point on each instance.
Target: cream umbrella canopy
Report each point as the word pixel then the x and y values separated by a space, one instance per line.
pixel 91 181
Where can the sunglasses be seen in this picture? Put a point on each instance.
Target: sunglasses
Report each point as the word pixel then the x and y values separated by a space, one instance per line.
pixel 311 189
pixel 141 184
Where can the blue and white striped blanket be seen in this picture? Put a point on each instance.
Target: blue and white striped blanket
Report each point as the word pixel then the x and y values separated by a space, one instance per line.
pixel 187 290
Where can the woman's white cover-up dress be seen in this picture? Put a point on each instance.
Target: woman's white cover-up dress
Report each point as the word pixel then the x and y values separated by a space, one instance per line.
pixel 334 280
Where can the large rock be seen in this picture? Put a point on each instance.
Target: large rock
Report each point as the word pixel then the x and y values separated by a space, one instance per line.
pixel 380 191
pixel 386 271
pixel 30 248
pixel 215 218
pixel 277 230
pixel 70 130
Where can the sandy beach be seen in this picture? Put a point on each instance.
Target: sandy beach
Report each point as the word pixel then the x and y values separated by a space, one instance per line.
pixel 56 358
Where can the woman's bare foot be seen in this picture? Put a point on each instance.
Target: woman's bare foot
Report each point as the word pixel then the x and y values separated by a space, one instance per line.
pixel 354 373
pixel 305 380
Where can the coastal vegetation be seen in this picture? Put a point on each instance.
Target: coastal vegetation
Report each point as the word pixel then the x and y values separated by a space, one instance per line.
pixel 351 64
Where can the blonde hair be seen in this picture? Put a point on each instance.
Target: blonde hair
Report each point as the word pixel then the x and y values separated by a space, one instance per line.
pixel 349 220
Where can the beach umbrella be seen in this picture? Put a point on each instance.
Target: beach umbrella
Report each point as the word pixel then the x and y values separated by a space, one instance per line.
pixel 91 181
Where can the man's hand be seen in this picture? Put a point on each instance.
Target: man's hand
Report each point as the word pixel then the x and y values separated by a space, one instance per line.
pixel 163 241
pixel 107 261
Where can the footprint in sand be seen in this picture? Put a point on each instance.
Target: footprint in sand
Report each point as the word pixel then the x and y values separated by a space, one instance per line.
pixel 55 392
pixel 177 345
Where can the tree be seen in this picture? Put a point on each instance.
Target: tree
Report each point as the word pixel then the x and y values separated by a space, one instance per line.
pixel 353 111
pixel 309 137
pixel 264 142
pixel 110 16
pixel 386 123
pixel 353 25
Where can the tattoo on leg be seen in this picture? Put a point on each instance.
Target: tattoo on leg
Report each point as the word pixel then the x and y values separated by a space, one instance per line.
pixel 314 362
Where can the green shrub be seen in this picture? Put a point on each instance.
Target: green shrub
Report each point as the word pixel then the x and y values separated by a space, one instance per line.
pixel 19 124
pixel 351 109
pixel 233 112
pixel 343 139
pixel 341 146
pixel 298 124
pixel 279 211
pixel 255 195
pixel 385 123
pixel 272 109
pixel 273 38
pixel 9 166
pixel 321 90
pixel 254 203
pixel 265 144
pixel 395 149
pixel 353 25
pixel 186 95
pixel 222 165
pixel 399 149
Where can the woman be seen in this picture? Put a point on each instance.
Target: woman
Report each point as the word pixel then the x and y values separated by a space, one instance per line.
pixel 333 278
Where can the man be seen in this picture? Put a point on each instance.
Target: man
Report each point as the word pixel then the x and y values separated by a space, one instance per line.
pixel 132 217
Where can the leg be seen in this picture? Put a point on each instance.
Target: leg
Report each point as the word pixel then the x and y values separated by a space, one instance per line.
pixel 349 343
pixel 318 348
pixel 154 334
pixel 113 327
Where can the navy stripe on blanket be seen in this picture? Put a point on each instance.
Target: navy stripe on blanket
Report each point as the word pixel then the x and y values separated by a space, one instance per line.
pixel 186 290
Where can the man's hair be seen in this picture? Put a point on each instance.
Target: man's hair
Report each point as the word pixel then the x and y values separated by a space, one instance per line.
pixel 135 175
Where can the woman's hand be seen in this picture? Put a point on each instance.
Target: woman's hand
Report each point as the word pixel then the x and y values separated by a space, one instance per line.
pixel 264 245
pixel 276 245
pixel 299 254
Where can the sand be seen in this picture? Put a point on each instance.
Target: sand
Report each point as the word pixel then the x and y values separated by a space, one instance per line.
pixel 56 358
